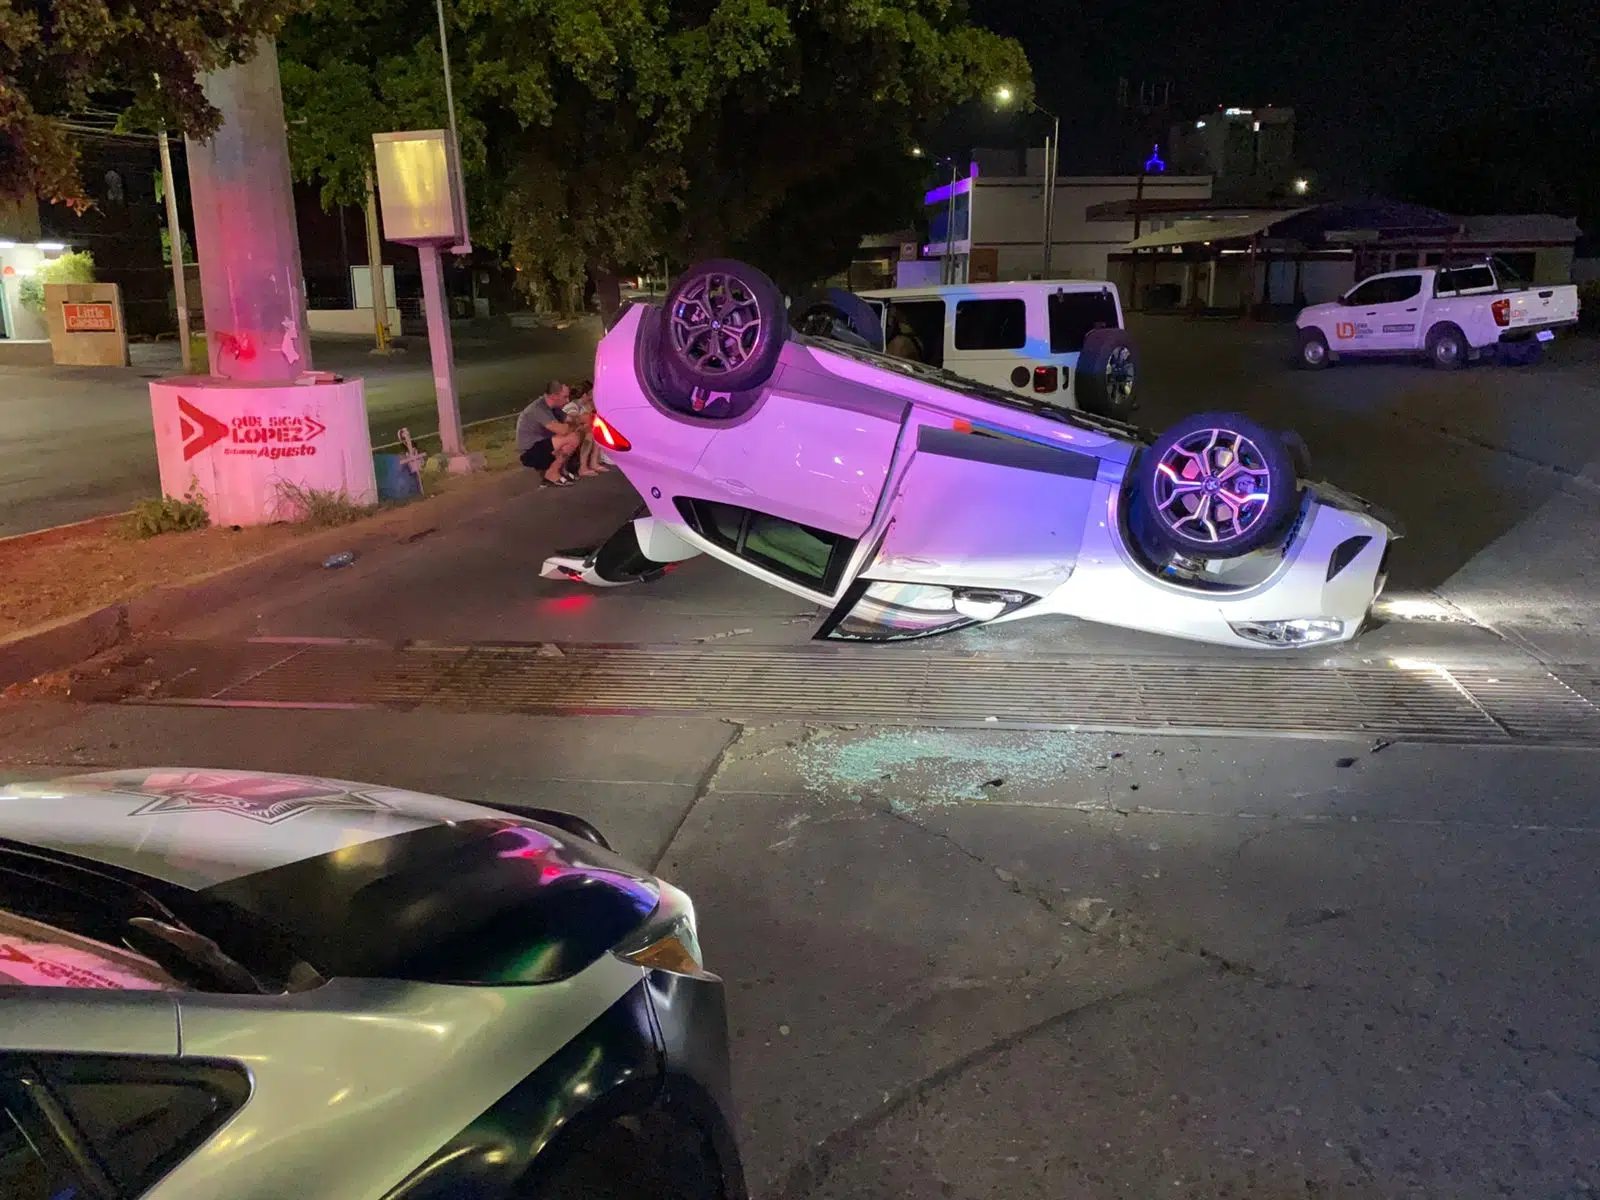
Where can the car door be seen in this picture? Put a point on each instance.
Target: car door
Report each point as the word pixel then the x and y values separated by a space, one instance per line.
pixel 980 523
pixel 1382 314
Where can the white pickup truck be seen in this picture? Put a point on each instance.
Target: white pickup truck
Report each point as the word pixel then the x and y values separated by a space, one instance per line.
pixel 1450 314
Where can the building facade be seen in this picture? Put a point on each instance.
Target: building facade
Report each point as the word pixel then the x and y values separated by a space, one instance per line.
pixel 998 219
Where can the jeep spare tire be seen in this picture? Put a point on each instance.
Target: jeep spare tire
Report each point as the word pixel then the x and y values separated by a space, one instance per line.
pixel 1108 368
pixel 1218 485
pixel 833 311
pixel 722 327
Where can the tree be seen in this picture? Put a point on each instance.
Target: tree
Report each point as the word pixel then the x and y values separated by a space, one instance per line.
pixel 600 134
pixel 144 56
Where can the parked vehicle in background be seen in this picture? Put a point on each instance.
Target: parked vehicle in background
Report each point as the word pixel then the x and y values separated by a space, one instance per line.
pixel 1449 314
pixel 1059 340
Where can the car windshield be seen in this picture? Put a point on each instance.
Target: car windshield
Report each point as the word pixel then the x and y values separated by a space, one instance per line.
pixel 939 377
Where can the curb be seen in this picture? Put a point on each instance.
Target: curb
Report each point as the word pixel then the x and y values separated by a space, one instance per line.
pixel 72 640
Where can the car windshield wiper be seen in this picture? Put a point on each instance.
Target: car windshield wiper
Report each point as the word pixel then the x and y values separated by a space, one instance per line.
pixel 199 952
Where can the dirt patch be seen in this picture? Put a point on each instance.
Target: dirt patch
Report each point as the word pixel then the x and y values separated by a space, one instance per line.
pixel 64 576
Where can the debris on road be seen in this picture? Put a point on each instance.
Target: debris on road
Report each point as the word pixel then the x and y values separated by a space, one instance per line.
pixel 342 559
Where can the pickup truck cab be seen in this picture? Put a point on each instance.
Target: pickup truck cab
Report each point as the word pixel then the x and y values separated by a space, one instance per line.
pixel 1449 314
pixel 1059 341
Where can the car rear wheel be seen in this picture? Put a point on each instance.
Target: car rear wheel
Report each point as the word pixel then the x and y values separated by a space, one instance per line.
pixel 1218 485
pixel 1314 353
pixel 1447 347
pixel 1108 369
pixel 723 327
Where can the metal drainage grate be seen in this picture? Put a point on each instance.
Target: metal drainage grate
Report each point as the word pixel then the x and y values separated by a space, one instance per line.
pixel 880 686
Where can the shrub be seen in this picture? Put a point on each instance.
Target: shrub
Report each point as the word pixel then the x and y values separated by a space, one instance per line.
pixel 170 514
pixel 76 266
pixel 317 507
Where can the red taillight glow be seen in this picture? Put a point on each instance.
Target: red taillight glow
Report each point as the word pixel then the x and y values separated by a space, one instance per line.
pixel 1502 312
pixel 609 437
pixel 1044 379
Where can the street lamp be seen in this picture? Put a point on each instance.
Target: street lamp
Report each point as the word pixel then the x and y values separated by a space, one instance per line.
pixel 1302 186
pixel 1052 156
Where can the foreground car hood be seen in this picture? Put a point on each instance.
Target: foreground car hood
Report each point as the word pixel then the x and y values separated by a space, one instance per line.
pixel 1316 314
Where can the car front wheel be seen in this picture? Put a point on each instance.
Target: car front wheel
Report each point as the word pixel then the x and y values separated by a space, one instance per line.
pixel 1218 485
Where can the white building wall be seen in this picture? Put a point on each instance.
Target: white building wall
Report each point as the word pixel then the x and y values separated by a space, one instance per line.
pixel 1008 214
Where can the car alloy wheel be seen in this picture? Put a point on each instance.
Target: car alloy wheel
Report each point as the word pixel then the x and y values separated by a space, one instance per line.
pixel 715 325
pixel 1212 486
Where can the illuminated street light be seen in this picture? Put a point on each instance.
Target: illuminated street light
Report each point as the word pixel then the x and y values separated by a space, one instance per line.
pixel 916 152
pixel 1052 158
pixel 1301 187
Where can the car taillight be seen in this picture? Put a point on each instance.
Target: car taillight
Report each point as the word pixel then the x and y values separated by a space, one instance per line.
pixel 607 436
pixel 1044 379
pixel 1502 312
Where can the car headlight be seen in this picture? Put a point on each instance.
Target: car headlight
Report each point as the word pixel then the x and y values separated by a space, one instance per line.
pixel 1302 631
pixel 668 939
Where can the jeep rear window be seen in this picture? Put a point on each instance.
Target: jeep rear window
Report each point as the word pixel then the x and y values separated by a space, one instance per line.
pixel 1074 314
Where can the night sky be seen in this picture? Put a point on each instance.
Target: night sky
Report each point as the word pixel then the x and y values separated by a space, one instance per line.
pixel 1367 78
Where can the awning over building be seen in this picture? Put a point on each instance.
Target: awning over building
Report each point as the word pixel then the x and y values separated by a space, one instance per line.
pixel 1210 230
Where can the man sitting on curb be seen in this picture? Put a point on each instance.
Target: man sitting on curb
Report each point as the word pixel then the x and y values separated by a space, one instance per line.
pixel 545 441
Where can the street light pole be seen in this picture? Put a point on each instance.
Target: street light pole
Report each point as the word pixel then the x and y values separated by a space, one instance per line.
pixel 1052 160
pixel 947 271
pixel 455 138
pixel 1052 167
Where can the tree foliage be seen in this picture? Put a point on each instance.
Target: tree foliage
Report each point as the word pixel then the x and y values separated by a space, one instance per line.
pixel 58 56
pixel 602 134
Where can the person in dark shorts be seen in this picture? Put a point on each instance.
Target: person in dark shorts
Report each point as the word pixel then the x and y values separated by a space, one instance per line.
pixel 545 439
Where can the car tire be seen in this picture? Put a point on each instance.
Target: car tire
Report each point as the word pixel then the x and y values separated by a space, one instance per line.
pixel 1108 370
pixel 826 312
pixel 1314 352
pixel 1447 347
pixel 723 326
pixel 1183 511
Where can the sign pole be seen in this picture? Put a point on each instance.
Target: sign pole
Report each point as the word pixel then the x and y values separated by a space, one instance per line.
pixel 442 354
pixel 376 274
pixel 175 237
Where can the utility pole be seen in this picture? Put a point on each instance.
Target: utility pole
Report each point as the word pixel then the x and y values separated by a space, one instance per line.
pixel 465 245
pixel 175 239
pixel 375 272
pixel 947 270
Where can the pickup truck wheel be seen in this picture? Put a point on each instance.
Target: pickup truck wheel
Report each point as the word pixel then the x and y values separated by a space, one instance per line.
pixel 1314 353
pixel 1108 369
pixel 1217 484
pixel 1447 347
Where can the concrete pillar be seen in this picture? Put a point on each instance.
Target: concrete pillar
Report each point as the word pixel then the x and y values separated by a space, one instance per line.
pixel 1188 285
pixel 244 227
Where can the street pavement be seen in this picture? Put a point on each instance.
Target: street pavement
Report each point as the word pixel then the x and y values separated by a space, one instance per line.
pixel 78 441
pixel 978 963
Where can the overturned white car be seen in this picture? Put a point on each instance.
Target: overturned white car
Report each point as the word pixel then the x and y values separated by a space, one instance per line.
pixel 912 502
